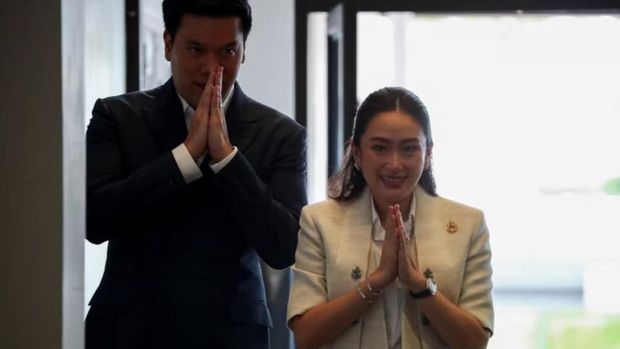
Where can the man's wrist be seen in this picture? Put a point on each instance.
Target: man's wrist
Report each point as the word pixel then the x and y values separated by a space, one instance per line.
pixel 228 149
pixel 192 151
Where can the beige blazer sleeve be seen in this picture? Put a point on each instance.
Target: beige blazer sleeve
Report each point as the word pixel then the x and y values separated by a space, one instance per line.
pixel 309 288
pixel 476 290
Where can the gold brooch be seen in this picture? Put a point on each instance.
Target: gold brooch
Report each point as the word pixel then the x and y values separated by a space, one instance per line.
pixel 452 227
pixel 356 273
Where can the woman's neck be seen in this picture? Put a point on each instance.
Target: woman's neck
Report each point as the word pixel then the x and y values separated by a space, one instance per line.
pixel 383 211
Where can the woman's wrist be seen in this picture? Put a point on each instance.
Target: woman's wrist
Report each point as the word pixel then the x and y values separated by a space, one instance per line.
pixel 417 284
pixel 367 291
pixel 377 281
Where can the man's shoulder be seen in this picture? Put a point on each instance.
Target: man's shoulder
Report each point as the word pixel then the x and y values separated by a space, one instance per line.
pixel 269 115
pixel 135 99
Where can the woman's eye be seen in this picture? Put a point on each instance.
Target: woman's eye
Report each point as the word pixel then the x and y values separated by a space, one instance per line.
pixel 410 148
pixel 378 147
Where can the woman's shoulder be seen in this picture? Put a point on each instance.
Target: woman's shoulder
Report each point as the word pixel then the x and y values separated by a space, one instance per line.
pixel 451 206
pixel 328 206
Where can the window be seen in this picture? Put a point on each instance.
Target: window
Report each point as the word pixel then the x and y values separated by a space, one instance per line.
pixel 525 116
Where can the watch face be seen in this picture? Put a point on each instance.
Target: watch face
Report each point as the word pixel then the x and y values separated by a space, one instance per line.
pixel 431 286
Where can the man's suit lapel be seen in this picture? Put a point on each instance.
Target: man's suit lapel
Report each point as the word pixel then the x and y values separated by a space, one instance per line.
pixel 167 121
pixel 165 116
pixel 242 122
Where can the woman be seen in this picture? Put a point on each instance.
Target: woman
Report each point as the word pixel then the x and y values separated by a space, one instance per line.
pixel 386 262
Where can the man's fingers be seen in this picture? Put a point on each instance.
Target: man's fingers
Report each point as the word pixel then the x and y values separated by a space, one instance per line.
pixel 216 97
pixel 205 98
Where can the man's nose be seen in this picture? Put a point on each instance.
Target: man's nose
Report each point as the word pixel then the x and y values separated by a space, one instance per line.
pixel 209 63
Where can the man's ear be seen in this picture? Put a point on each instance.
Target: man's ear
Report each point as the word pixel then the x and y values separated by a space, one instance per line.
pixel 168 42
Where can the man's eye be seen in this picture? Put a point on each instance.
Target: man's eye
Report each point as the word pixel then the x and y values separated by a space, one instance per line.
pixel 230 51
pixel 194 49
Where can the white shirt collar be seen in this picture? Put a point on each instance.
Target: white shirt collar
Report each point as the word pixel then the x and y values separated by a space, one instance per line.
pixel 188 110
pixel 378 233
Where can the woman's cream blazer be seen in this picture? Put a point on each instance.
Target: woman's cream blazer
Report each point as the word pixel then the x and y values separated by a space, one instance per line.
pixel 335 237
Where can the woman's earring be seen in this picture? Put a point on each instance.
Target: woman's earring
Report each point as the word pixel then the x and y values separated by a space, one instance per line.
pixel 427 165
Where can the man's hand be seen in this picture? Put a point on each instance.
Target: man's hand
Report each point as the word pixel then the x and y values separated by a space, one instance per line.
pixel 196 141
pixel 218 143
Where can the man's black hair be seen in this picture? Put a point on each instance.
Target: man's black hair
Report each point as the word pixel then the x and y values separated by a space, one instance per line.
pixel 174 10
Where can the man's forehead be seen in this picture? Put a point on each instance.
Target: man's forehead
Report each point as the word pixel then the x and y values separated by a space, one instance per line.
pixel 203 28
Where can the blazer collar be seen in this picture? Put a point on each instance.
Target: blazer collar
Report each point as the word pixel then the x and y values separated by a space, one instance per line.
pixel 357 227
pixel 242 119
pixel 424 227
pixel 353 254
pixel 165 116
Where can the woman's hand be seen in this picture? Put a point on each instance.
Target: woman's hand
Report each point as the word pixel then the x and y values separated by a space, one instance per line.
pixel 408 271
pixel 387 271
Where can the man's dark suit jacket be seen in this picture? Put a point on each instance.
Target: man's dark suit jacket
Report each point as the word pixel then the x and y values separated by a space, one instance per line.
pixel 193 245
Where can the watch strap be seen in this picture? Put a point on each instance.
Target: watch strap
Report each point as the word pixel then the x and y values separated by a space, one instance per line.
pixel 422 294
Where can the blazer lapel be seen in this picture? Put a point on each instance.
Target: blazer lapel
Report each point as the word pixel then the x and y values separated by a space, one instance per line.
pixel 410 320
pixel 354 253
pixel 241 120
pixel 166 117
pixel 423 227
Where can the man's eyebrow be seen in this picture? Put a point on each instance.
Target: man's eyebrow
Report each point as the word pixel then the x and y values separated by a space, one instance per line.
pixel 193 42
pixel 388 140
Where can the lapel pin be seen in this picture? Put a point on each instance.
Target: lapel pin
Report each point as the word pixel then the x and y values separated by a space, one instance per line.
pixel 356 273
pixel 452 227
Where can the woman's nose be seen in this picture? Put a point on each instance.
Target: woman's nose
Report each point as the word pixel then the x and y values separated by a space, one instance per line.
pixel 394 160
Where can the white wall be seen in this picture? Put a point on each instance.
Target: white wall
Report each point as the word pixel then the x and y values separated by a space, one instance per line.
pixel 269 71
pixel 104 74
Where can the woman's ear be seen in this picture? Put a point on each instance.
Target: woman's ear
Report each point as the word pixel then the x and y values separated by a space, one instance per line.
pixel 429 157
pixel 355 152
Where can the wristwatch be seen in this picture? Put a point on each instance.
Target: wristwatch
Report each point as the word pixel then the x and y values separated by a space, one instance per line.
pixel 430 290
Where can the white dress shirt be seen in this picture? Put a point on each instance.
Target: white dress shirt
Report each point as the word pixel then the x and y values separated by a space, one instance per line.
pixel 393 295
pixel 189 168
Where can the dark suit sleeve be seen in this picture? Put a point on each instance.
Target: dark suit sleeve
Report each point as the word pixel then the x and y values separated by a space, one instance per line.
pixel 268 212
pixel 119 201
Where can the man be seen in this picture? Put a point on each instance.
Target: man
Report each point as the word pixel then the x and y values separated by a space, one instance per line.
pixel 190 183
